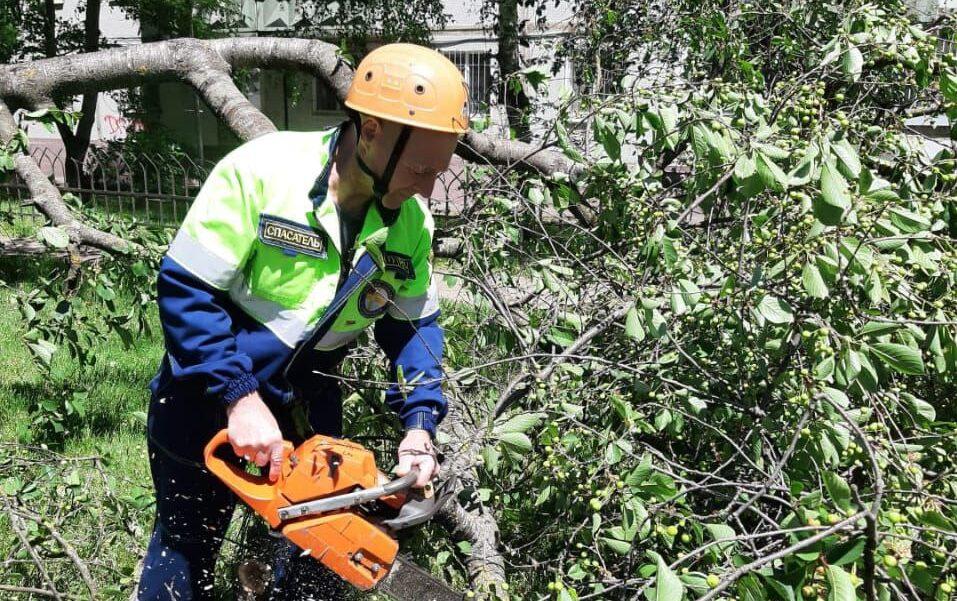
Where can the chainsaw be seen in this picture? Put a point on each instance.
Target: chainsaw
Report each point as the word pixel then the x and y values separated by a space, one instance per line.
pixel 332 502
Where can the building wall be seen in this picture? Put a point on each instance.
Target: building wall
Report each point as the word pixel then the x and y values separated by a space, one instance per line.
pixel 293 104
pixel 110 123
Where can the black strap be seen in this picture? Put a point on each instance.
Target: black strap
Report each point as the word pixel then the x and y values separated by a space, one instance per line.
pixel 320 189
pixel 380 185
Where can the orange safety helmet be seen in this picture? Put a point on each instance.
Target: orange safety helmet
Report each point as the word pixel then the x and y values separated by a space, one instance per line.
pixel 412 85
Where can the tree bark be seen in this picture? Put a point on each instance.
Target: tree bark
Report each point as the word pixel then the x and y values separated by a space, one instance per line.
pixel 30 84
pixel 49 28
pixel 77 142
pixel 509 62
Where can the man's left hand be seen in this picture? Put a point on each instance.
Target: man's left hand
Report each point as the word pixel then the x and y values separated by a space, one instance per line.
pixel 416 450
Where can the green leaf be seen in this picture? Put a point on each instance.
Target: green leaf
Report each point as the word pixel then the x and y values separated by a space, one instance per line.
pixel 783 591
pixel 669 251
pixel 832 50
pixel 567 594
pixel 565 144
pixel 667 585
pixel 847 552
pixel 616 451
pixel 55 237
pixel 802 173
pixel 813 282
pixel 720 532
pixel 852 62
pixel 608 138
pixel 824 369
pixel 774 152
pixel 517 440
pixel 878 328
pixel 902 359
pixel 775 310
pixel 618 546
pixel 479 123
pixel 948 84
pixel 836 397
pixel 883 195
pixel 633 327
pixel 520 423
pixel 669 125
pixel 936 519
pixel 105 293
pixel 744 168
pixel 560 337
pixel 535 76
pixel 848 156
pixel 839 583
pixel 834 198
pixel 491 456
pixel 838 489
pixel 908 221
pixel 577 572
pixel 772 175
pixel 641 473
pixel 920 407
pixel 565 196
pixel 43 350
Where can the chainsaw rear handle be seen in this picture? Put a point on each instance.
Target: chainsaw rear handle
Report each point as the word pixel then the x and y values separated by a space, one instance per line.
pixel 254 488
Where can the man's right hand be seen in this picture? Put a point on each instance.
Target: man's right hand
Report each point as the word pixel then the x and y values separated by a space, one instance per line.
pixel 254 433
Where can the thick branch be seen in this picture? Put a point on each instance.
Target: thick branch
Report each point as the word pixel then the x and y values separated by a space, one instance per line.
pixel 28 84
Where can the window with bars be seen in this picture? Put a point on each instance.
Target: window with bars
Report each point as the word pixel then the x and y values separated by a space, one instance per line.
pixel 476 66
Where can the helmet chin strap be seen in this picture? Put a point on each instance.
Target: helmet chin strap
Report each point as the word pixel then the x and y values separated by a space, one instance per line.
pixel 380 185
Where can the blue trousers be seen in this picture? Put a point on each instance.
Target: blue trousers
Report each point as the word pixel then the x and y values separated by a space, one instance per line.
pixel 193 508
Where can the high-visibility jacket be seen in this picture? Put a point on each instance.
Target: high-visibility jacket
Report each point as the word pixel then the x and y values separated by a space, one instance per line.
pixel 256 285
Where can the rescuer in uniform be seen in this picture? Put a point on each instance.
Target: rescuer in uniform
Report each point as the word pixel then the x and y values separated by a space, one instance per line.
pixel 296 243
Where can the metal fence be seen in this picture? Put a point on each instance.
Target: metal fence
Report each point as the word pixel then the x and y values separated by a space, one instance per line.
pixel 114 184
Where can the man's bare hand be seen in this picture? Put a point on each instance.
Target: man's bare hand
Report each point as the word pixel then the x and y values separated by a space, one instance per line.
pixel 254 433
pixel 416 450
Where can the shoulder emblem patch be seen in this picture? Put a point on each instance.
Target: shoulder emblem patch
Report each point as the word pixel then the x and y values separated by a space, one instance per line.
pixel 399 264
pixel 375 298
pixel 291 237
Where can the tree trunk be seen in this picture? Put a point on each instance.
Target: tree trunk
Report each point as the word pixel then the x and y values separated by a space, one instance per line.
pixel 49 28
pixel 509 62
pixel 77 142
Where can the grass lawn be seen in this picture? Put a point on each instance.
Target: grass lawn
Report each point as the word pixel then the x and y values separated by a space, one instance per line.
pixel 110 430
pixel 103 507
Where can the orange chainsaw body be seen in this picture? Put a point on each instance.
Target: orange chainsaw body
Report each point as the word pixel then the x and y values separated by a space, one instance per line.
pixel 345 541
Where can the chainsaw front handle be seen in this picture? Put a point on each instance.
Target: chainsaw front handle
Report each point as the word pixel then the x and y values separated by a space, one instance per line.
pixel 350 499
pixel 258 491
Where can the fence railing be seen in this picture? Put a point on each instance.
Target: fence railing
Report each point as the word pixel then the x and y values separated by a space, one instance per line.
pixel 154 189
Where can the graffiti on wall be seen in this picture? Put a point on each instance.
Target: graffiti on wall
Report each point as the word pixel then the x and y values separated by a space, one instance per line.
pixel 118 125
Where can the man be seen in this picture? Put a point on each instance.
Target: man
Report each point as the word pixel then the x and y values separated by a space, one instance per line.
pixel 296 243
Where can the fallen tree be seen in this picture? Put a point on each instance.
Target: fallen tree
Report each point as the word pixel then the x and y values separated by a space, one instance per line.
pixel 738 379
pixel 207 67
